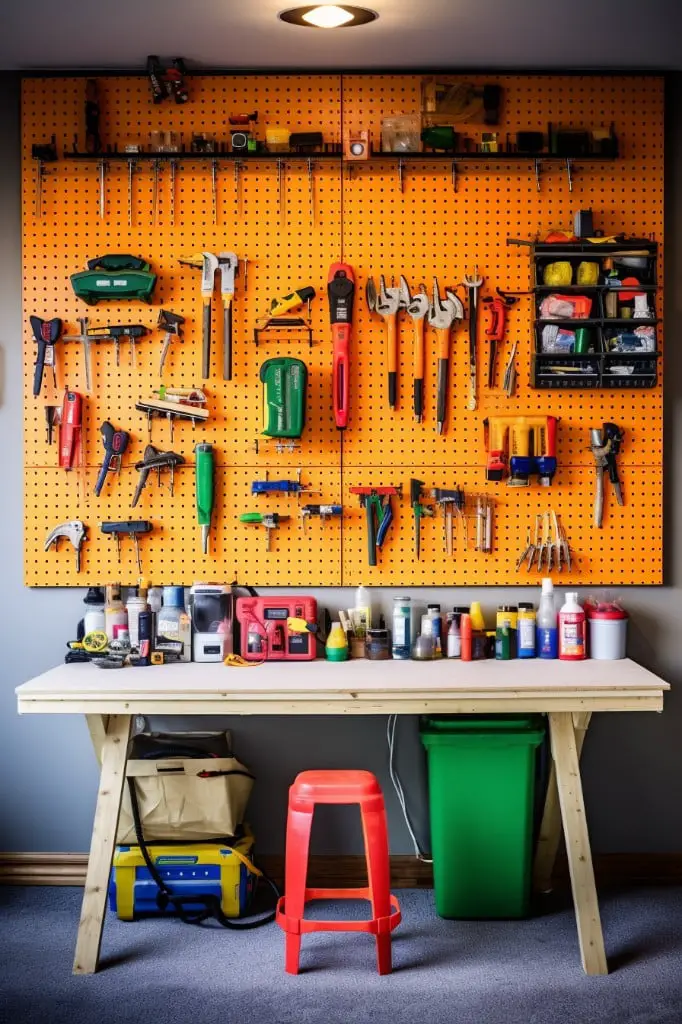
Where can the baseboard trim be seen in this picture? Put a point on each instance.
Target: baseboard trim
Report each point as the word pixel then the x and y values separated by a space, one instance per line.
pixel 333 872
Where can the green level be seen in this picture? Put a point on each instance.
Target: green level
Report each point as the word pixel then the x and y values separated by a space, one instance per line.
pixel 284 386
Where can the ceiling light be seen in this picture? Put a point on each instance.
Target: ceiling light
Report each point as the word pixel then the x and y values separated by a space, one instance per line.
pixel 328 16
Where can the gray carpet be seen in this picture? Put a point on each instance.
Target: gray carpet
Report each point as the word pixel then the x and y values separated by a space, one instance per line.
pixel 496 972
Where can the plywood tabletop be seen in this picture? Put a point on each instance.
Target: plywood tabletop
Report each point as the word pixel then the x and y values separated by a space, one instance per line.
pixel 358 682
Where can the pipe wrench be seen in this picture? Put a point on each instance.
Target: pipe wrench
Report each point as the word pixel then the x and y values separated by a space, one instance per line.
pixel 497 306
pixel 417 307
pixel 387 303
pixel 46 333
pixel 115 443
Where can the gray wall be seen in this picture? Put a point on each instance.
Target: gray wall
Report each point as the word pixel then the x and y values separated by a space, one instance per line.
pixel 48 775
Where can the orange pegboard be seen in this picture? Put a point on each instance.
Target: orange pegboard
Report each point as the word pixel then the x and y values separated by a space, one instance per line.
pixel 362 216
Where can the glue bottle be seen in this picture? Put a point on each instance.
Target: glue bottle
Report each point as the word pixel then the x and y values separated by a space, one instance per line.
pixel 336 648
pixel 363 612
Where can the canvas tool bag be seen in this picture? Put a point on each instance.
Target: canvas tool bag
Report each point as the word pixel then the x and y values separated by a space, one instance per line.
pixel 185 798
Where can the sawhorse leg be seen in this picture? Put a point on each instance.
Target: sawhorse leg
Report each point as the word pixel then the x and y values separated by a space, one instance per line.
pixel 570 790
pixel 550 829
pixel 114 751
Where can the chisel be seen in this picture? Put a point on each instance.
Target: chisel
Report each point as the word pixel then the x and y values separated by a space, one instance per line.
pixel 227 265
pixel 209 267
pixel 204 483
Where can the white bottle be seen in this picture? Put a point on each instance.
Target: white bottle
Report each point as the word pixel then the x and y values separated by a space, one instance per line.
pixel 94 618
pixel 454 639
pixel 546 623
pixel 363 612
pixel 134 606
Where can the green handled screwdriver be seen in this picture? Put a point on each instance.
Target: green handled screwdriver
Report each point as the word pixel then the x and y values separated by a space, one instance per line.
pixel 203 477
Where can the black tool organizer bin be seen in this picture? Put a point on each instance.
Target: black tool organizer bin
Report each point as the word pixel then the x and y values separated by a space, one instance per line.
pixel 621 349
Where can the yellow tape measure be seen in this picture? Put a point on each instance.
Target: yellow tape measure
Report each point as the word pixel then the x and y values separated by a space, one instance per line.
pixel 95 642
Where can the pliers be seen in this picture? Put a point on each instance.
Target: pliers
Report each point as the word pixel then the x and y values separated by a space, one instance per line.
pixel 387 303
pixel 605 444
pixel 379 513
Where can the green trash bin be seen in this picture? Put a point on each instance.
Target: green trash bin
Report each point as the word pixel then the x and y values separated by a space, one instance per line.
pixel 481 790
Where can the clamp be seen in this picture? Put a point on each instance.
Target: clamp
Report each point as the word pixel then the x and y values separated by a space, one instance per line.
pixel 74 531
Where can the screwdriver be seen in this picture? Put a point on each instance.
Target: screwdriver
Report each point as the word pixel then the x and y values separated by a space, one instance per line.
pixel 204 473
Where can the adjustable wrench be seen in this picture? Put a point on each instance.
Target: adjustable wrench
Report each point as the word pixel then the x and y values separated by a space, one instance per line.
pixel 387 303
pixel 472 285
pixel 442 315
pixel 417 306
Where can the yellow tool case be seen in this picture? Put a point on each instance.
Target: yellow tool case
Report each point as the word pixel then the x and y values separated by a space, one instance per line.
pixel 188 869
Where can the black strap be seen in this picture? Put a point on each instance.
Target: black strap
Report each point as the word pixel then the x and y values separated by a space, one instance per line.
pixel 206 905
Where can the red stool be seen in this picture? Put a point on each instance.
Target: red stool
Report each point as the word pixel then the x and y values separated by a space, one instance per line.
pixel 337 787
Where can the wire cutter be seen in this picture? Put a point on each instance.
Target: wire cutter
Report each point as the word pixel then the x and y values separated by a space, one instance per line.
pixel 387 303
pixel 115 443
pixel 46 333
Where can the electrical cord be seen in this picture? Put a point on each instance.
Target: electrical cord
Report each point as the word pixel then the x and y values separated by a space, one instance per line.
pixel 391 725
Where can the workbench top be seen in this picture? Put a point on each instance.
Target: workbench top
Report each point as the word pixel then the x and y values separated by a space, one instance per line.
pixel 361 686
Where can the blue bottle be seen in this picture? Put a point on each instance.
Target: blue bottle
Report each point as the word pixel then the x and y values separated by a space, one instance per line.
pixel 547 644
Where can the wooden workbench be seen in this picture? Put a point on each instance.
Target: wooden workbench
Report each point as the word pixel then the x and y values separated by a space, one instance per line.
pixel 568 692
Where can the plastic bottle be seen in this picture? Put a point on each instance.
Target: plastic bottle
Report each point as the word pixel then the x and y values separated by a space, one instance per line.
pixel 547 639
pixel 466 631
pixel 145 638
pixel 363 612
pixel 402 628
pixel 572 629
pixel 454 641
pixel 526 630
pixel 507 617
pixel 135 605
pixel 477 620
pixel 94 618
pixel 114 612
pixel 173 622
pixel 432 625
pixel 336 648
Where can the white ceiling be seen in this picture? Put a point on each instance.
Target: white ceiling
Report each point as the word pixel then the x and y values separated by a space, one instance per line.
pixel 520 34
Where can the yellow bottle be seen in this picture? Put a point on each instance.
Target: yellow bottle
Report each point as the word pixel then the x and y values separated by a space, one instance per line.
pixel 477 620
pixel 336 647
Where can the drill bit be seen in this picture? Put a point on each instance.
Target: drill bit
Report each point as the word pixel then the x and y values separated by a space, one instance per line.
pixel 237 166
pixel 155 190
pixel 214 189
pixel 311 192
pixel 102 168
pixel 172 166
pixel 132 167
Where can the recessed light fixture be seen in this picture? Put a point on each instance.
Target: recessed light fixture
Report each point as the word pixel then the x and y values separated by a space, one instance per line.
pixel 328 16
